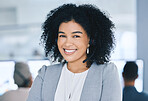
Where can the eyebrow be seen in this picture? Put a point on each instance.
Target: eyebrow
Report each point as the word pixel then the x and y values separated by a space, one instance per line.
pixel 72 32
pixel 61 32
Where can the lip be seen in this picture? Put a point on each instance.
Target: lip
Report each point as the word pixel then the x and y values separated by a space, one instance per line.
pixel 69 51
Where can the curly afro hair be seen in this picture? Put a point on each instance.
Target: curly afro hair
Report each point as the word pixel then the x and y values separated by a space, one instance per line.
pixel 96 23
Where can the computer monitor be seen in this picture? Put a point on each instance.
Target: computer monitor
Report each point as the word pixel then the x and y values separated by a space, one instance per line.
pixel 35 65
pixel 139 81
pixel 6 76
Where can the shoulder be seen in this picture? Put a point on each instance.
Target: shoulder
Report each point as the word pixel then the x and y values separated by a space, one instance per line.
pixel 7 95
pixel 55 66
pixel 109 66
pixel 110 69
pixel 49 69
pixel 107 69
pixel 144 96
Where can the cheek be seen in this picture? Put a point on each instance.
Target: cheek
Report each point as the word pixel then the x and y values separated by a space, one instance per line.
pixel 83 43
pixel 60 43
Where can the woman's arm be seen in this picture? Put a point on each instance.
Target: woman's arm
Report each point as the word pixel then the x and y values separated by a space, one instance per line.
pixel 111 90
pixel 35 93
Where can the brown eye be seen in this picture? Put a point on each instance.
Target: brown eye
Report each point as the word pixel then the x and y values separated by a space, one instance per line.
pixel 76 36
pixel 62 36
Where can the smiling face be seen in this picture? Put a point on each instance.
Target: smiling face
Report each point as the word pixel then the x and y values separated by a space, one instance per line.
pixel 72 41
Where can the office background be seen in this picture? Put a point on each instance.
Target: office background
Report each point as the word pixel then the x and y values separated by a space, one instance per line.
pixel 21 20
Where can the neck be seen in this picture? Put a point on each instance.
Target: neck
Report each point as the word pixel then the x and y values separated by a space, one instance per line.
pixel 129 83
pixel 77 67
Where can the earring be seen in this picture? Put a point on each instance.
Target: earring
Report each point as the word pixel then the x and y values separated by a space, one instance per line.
pixel 87 51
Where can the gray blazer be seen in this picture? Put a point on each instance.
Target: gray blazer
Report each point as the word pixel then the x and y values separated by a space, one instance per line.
pixel 101 84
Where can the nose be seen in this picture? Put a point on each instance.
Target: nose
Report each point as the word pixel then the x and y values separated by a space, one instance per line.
pixel 68 42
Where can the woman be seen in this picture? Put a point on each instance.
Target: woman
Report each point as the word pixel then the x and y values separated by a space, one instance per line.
pixel 81 39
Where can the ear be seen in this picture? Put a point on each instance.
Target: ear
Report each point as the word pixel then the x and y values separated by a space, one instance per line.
pixel 30 82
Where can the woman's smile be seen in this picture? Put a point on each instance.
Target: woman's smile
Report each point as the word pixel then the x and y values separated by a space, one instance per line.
pixel 69 51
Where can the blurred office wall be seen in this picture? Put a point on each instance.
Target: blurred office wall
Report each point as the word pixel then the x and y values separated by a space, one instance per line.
pixel 21 20
pixel 142 37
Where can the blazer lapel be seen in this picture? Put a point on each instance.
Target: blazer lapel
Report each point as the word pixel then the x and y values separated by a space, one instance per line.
pixel 93 84
pixel 51 81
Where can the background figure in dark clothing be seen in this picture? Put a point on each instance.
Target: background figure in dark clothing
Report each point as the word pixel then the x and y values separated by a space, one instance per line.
pixel 130 74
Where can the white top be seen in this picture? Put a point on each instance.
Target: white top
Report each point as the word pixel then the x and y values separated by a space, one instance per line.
pixel 20 94
pixel 70 85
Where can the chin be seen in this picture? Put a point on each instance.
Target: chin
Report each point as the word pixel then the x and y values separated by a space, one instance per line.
pixel 69 59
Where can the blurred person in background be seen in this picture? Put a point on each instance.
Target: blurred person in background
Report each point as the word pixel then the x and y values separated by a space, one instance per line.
pixel 23 79
pixel 130 74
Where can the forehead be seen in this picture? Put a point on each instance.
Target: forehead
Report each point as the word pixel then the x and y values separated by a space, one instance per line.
pixel 70 26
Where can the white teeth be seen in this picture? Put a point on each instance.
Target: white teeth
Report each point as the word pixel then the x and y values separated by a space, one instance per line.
pixel 69 50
